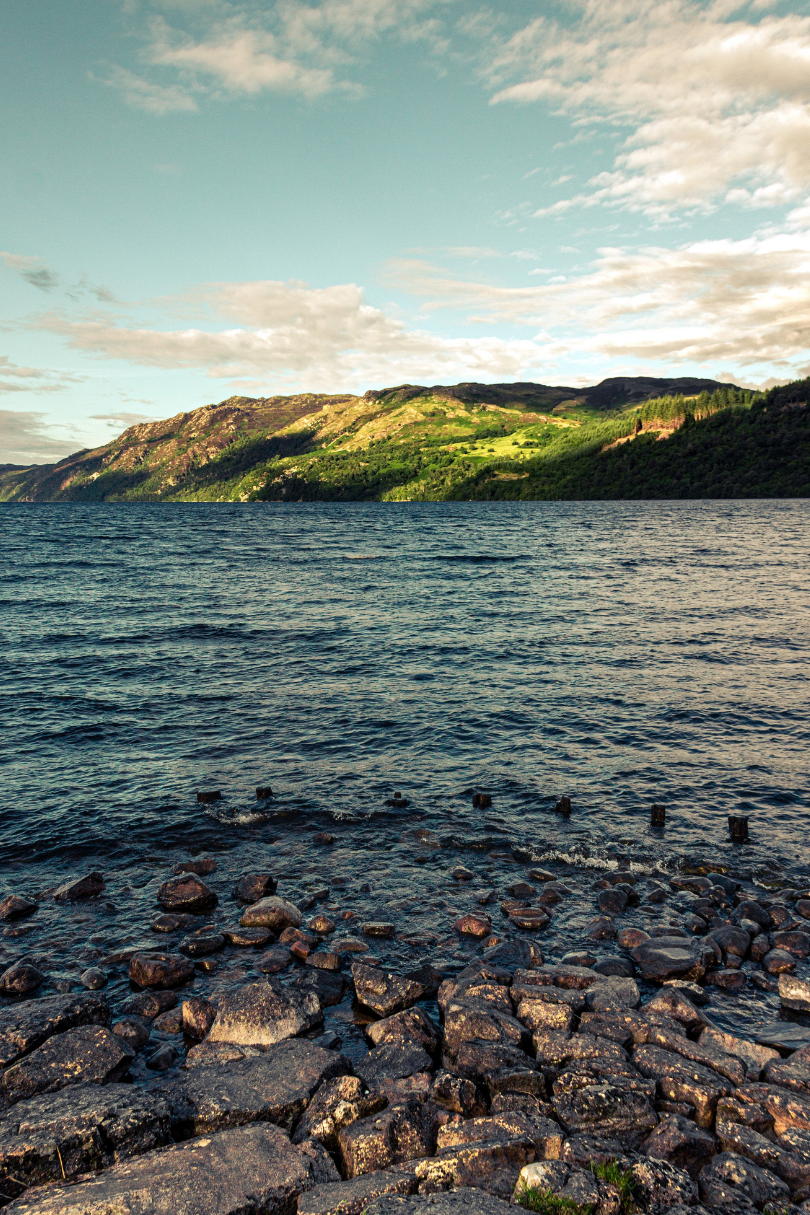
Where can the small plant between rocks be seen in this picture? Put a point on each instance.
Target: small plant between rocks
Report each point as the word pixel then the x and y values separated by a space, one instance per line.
pixel 548 1203
pixel 623 1180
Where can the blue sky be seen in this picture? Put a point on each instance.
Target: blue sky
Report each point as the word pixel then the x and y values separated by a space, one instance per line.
pixel 200 198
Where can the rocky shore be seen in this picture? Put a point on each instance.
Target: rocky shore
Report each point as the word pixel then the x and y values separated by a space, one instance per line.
pixel 562 1040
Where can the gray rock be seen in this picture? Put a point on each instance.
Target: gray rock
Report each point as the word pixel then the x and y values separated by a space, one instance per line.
pixel 411 1025
pixel 465 1201
pixel 727 1174
pixel 250 1170
pixel 261 1014
pixel 324 984
pixel 682 1143
pixel 21 979
pixel 149 1004
pixel 613 994
pixel 23 1027
pixel 275 1086
pixel 353 1197
pixel 272 912
pixel 79 1130
pixel 254 886
pixel 337 1103
pixel 792 1073
pixel 392 1061
pixel 794 993
pixel 659 1185
pixel 616 1111
pixel 404 1132
pixel 546 1135
pixel 706 1054
pixel 752 1055
pixel 187 893
pixel 87 887
pixel 88 1054
pixel 14 906
pixel 384 992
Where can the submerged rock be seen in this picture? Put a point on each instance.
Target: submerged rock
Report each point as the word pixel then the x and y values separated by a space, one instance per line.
pixel 87 887
pixel 186 893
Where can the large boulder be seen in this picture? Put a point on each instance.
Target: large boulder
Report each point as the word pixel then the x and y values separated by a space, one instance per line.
pixel 337 1103
pixel 663 958
pixel 386 993
pixel 250 1170
pixel 88 1054
pixel 78 1130
pixel 412 1025
pixel 392 1061
pixel 680 1142
pixel 679 1079
pixel 658 1186
pixel 474 1020
pixel 261 1014
pixel 275 1086
pixel 186 893
pixel 403 1132
pixel 728 1176
pixel 622 1113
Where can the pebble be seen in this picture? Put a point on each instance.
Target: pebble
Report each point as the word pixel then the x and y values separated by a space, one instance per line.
pixel 186 893
pixel 473 925
pixel 246 937
pixel 94 979
pixel 21 979
pixel 323 837
pixel 274 960
pixel 322 925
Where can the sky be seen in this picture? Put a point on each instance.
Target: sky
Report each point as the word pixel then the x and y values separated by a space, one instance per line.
pixel 203 198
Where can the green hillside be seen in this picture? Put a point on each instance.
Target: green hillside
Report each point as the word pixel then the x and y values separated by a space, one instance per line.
pixel 466 442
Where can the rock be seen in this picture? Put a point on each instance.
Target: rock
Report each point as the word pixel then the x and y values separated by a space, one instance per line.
pixel 492 1165
pixel 163 970
pixel 680 1079
pixel 539 1014
pixel 274 960
pixel 337 1103
pixel 163 1058
pixel 133 1031
pixel 621 968
pixel 15 906
pixel 618 1112
pixel 794 993
pixel 202 867
pixel 383 992
pixel 353 1197
pixel 568 977
pixel 613 994
pixel 462 874
pixel 23 1027
pixel 322 925
pixel 186 893
pixel 544 1133
pixel 784 1036
pixel 750 910
pixel 728 980
pixel 171 922
pixel 456 1094
pixel 198 1016
pixel 271 912
pixel 475 1020
pixel 274 1086
pixel 254 886
pixel 248 1170
pixel 513 955
pixel 797 943
pixel 410 1025
pixel 792 1073
pixel 732 940
pixel 729 1173
pixel 94 979
pixel 87 1054
pixel 788 1110
pixel 469 1200
pixel 261 1014
pixel 150 1004
pixel 402 1133
pixel 612 902
pixel 473 926
pixel 778 962
pixel 667 958
pixel 80 1130
pixel 21 979
pixel 202 944
pixel 379 928
pixel 675 1003
pixel 754 1057
pixel 392 1061
pixel 682 1143
pixel 530 919
pixel 248 937
pixel 601 929
pixel 87 887
pixel 324 984
pixel 660 1185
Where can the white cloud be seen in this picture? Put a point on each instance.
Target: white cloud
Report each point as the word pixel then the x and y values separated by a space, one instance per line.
pixel 24 439
pixel 716 101
pixel 33 269
pixel 325 339
pixel 14 378
pixel 745 302
pixel 147 95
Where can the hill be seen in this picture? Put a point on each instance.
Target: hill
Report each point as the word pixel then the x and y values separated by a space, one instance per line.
pixel 625 437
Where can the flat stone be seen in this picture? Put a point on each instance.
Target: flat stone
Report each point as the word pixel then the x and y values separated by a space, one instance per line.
pixel 254 886
pixel 87 887
pixel 15 906
pixel 23 1027
pixel 248 937
pixel 473 925
pixel 171 922
pixel 614 968
pixel 778 962
pixel 618 1112
pixel 261 1014
pixel 186 893
pixel 202 944
pixel 392 1061
pixel 248 1170
pixel 88 1054
pixel 667 958
pixel 202 867
pixel 353 1197
pixel 530 919
pixel 411 1025
pixel 513 955
pixel 80 1130
pixel 674 1002
pixel 729 1173
pixel 163 970
pixel 784 1036
pixel 379 928
pixel 275 1086
pixel 149 1004
pixel 613 994
pixel 465 1201
pixel 272 912
pixel 755 1057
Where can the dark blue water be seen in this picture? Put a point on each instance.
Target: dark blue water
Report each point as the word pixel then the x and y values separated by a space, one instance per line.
pixel 620 653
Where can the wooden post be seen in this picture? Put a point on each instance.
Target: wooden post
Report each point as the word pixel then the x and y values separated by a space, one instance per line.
pixel 738 828
pixel 212 795
pixel 482 801
pixel 263 791
pixel 658 816
pixel 564 806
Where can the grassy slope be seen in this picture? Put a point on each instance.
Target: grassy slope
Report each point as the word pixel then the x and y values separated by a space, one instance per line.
pixel 447 444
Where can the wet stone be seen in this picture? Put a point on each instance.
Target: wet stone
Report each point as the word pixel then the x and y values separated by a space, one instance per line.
pixel 21 979
pixel 601 929
pixel 261 1014
pixel 797 943
pixel 324 959
pixel 325 984
pixel 197 1015
pixel 252 887
pixel 386 993
pixel 271 912
pixel 88 887
pixel 473 926
pixel 612 902
pixel 163 1058
pixel 202 944
pixel 778 962
pixel 322 925
pixel 88 1054
pixel 133 1031
pixel 202 867
pixel 378 928
pixel 667 958
pixel 729 980
pixel 149 1004
pixel 246 938
pixel 274 960
pixel 169 922
pixel 94 979
pixel 161 970
pixel 794 993
pixel 15 906
pixel 186 893
pixel 411 1025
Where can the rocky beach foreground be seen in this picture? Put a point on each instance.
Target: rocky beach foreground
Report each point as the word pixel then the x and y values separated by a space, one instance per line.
pixel 583 1041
